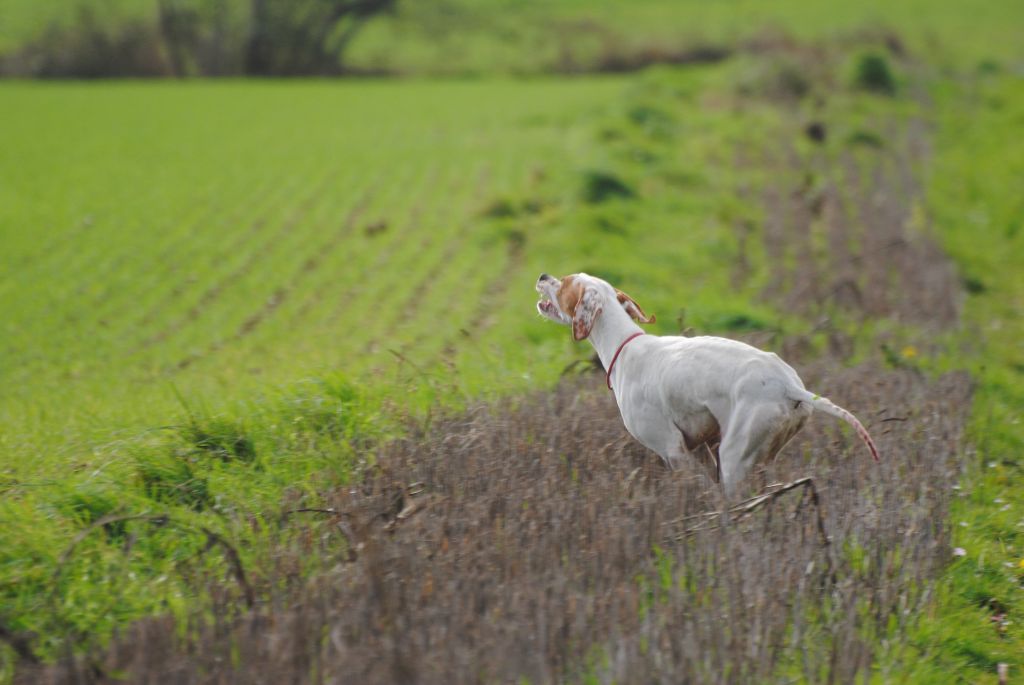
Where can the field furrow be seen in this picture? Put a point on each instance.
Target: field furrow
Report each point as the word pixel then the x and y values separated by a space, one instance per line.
pixel 383 231
pixel 430 274
pixel 209 246
pixel 144 261
pixel 307 268
pixel 394 270
pixel 431 284
pixel 252 259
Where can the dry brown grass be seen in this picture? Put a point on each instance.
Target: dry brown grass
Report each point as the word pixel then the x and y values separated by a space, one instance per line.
pixel 528 551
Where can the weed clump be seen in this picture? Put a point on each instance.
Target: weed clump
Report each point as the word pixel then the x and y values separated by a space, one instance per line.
pixel 225 440
pixel 864 138
pixel 655 121
pixel 737 322
pixel 171 479
pixel 610 225
pixel 499 208
pixel 782 78
pixel 816 131
pixel 506 207
pixel 871 72
pixel 601 186
pixel 87 503
pixel 331 407
pixel 515 240
pixel 974 285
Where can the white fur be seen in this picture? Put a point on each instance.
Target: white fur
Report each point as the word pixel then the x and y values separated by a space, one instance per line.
pixel 678 395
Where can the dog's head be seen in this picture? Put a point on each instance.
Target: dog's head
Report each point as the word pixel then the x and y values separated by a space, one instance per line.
pixel 578 300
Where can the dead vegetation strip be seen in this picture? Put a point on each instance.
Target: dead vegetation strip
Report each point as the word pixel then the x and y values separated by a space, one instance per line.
pixel 881 261
pixel 535 543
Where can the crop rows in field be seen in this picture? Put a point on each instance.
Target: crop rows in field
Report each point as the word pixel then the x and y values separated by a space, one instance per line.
pixel 293 229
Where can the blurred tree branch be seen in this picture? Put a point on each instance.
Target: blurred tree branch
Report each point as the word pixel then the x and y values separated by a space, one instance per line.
pixel 305 37
pixel 261 37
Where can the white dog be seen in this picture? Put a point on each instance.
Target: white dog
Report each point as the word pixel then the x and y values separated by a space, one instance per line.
pixel 678 395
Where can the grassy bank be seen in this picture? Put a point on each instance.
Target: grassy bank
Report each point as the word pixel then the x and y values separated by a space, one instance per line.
pixel 977 207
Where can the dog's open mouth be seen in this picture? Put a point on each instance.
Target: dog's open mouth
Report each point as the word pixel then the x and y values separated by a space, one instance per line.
pixel 545 305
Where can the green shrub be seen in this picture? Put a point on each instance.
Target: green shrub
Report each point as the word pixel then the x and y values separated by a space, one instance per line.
pixel 737 322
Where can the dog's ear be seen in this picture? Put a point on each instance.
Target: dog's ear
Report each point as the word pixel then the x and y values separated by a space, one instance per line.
pixel 588 308
pixel 633 309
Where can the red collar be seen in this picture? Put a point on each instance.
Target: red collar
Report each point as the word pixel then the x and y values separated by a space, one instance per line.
pixel 611 366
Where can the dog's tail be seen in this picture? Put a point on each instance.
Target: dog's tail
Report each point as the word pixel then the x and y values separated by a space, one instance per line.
pixel 827 406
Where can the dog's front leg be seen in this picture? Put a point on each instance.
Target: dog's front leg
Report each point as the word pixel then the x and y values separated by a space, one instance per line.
pixel 674 458
pixel 661 437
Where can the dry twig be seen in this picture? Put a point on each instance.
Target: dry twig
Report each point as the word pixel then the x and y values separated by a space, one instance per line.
pixel 213 539
pixel 707 520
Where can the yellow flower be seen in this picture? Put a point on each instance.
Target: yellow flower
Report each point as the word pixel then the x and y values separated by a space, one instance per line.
pixel 1021 564
pixel 909 352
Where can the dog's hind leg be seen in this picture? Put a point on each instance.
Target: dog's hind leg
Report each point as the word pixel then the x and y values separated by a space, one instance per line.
pixel 754 434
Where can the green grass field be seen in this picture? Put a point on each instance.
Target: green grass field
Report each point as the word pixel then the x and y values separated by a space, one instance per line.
pixel 276 236
pixel 243 251
pixel 239 253
pixel 216 297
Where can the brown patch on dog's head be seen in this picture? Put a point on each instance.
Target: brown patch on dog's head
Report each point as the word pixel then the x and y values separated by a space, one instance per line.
pixel 569 294
pixel 582 303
